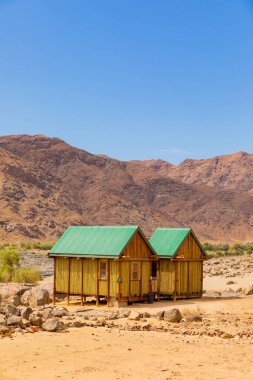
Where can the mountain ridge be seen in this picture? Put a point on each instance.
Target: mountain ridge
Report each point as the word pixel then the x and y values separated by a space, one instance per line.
pixel 47 184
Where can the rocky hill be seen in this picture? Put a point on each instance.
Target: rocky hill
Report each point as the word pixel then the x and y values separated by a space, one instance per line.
pixel 46 185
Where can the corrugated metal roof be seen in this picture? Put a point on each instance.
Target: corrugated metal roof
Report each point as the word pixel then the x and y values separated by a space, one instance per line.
pixel 100 241
pixel 166 241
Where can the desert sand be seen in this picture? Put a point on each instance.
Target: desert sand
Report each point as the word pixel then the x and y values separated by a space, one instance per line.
pixel 113 353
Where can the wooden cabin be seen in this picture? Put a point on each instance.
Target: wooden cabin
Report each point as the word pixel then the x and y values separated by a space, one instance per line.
pixel 180 262
pixel 109 262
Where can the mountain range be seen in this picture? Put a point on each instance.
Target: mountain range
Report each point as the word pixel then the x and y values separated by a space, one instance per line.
pixel 47 185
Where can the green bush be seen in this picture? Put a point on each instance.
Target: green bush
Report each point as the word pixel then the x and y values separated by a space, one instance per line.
pixel 9 261
pixel 27 275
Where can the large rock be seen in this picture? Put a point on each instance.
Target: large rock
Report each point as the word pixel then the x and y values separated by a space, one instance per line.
pixel 49 287
pixel 11 309
pixel 135 315
pixel 35 320
pixel 249 290
pixel 59 312
pixel 2 319
pixel 15 300
pixel 172 315
pixel 25 297
pixel 50 324
pixel 36 296
pixel 14 320
pixel 25 312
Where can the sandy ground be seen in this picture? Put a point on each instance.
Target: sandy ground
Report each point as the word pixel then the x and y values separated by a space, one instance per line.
pixel 96 354
pixel 102 353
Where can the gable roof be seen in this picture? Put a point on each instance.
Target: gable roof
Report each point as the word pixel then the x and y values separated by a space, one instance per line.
pixel 98 241
pixel 167 241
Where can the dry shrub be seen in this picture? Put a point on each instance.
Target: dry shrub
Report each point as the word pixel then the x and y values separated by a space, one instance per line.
pixel 27 275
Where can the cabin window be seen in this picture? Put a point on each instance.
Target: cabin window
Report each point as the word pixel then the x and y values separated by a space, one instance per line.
pixel 154 269
pixel 103 270
pixel 135 271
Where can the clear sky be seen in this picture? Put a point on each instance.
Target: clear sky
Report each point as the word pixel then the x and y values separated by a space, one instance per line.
pixel 132 79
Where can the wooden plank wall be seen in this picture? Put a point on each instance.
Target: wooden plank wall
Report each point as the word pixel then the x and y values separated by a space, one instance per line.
pixel 83 278
pixel 185 272
pixel 167 277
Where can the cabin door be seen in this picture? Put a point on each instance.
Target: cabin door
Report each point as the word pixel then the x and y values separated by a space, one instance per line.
pixel 135 279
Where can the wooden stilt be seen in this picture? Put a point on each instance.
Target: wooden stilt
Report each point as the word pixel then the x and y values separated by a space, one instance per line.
pixel 82 285
pixel 68 281
pixel 97 296
pixel 175 283
pixel 108 281
pixel 54 291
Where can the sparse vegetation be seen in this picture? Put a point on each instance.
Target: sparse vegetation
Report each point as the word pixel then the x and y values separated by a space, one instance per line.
pixel 37 245
pixel 9 267
pixel 27 275
pixel 217 250
pixel 9 261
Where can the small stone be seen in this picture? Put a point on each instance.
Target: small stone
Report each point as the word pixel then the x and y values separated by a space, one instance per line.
pixel 172 315
pixel 134 315
pixel 14 320
pixel 25 312
pixel 50 324
pixel 35 320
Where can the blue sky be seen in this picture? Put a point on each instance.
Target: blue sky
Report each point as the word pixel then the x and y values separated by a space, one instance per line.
pixel 132 79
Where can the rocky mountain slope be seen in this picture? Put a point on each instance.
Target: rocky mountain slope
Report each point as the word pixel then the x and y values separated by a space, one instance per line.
pixel 46 185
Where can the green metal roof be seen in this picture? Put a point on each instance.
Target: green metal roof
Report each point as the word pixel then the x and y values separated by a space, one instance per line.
pixel 99 241
pixel 167 241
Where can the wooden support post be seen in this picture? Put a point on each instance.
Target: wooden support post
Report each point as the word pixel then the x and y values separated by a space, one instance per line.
pixel 158 280
pixel 119 283
pixel 140 290
pixel 175 283
pixel 188 279
pixel 108 281
pixel 129 279
pixel 97 296
pixel 68 280
pixel 82 285
pixel 54 291
pixel 201 279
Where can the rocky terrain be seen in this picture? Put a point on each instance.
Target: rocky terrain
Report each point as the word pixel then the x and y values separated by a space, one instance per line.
pixel 47 185
pixel 215 331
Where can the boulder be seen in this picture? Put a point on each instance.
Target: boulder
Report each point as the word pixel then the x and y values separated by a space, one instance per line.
pixel 11 309
pixel 172 315
pixel 15 300
pixel 25 312
pixel 249 290
pixel 39 297
pixel 14 320
pixel 50 288
pixel 25 297
pixel 59 312
pixel 35 320
pixel 50 324
pixel 159 315
pixel 2 319
pixel 134 315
